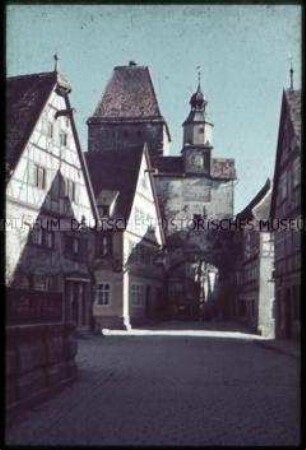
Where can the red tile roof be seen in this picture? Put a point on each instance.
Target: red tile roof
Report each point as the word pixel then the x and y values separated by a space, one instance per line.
pixel 25 98
pixel 128 95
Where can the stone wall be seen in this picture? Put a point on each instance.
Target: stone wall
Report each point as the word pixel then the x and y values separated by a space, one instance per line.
pixel 39 358
pixel 111 136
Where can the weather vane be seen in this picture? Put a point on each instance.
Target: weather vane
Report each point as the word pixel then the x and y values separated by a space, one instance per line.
pixel 199 74
pixel 291 72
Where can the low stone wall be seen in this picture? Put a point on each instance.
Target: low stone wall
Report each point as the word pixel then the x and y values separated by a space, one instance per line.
pixel 39 358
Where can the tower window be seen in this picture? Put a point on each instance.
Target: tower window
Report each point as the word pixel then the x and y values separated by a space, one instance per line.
pixel 201 130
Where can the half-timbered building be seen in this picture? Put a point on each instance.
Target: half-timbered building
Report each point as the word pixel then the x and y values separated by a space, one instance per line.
pixel 128 282
pixel 48 195
pixel 286 204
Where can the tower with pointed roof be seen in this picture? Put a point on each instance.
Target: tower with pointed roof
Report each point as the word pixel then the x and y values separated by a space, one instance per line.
pixel 128 114
pixel 197 136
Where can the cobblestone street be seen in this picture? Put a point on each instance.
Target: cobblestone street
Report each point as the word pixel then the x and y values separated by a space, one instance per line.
pixel 170 390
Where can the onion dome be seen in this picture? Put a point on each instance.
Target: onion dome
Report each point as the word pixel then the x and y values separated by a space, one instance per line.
pixel 197 100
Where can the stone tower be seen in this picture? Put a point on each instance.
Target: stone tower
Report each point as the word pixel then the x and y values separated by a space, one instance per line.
pixel 128 114
pixel 197 136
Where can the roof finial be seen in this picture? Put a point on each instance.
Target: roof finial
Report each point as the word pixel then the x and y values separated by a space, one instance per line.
pixel 291 72
pixel 56 58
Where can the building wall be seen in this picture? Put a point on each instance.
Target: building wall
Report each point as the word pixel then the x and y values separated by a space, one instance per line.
pixel 266 301
pixel 288 242
pixel 114 135
pixel 143 241
pixel 135 249
pixel 41 260
pixel 25 201
pixel 109 315
pixel 182 197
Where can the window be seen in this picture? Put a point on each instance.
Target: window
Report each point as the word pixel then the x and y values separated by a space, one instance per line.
pixel 201 130
pixel 37 236
pixel 50 130
pixel 144 180
pixel 103 294
pixel 104 210
pixel 42 237
pixel 105 245
pixel 40 282
pixel 48 238
pixel 72 245
pixel 63 138
pixel 75 246
pixel 137 294
pixel 70 189
pixel 296 172
pixel 37 176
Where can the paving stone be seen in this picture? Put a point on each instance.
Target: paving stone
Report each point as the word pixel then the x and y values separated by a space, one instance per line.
pixel 165 390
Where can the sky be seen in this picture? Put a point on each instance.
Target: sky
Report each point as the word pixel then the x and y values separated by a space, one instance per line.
pixel 244 52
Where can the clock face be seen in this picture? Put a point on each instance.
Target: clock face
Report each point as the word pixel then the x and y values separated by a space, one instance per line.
pixel 197 161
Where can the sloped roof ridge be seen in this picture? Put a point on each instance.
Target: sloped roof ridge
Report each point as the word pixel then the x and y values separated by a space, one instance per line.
pixel 257 198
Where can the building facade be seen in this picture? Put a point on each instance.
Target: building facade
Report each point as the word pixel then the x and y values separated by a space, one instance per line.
pixel 286 204
pixel 192 188
pixel 254 292
pixel 47 276
pixel 129 284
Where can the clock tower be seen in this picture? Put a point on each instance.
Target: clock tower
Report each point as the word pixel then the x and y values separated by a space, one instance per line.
pixel 197 136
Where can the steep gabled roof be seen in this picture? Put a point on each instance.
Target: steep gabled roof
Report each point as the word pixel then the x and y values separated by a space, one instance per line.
pixel 291 107
pixel 261 211
pixel 26 96
pixel 110 172
pixel 129 95
pixel 247 212
pixel 293 98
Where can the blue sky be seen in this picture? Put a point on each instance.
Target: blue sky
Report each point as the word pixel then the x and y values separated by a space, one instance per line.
pixel 243 51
